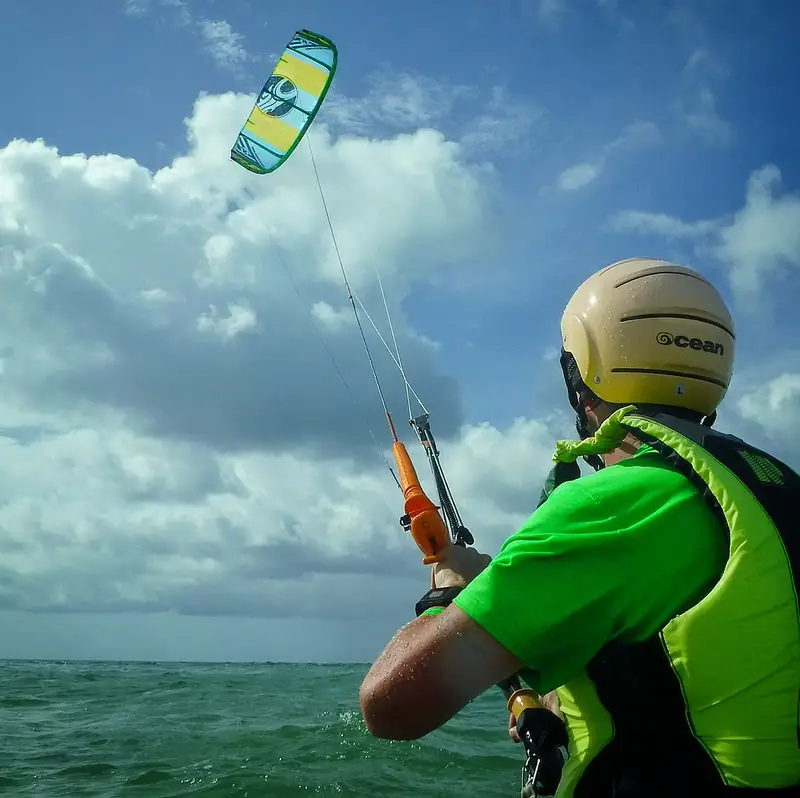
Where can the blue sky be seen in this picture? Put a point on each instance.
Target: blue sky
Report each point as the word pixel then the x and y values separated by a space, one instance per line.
pixel 488 156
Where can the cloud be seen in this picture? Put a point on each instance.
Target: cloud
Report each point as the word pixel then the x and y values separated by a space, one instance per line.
pixel 506 120
pixel 205 235
pixel 180 9
pixel 697 102
pixel 550 12
pixel 755 243
pixel 398 100
pixel 637 136
pixel 219 39
pixel 661 224
pixel 104 520
pixel 485 119
pixel 240 318
pixel 174 438
pixel 774 405
pixel 136 8
pixel 764 236
pixel 767 407
pixel 223 44
pixel 578 176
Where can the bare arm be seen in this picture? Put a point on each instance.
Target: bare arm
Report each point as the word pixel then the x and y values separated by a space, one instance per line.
pixel 429 671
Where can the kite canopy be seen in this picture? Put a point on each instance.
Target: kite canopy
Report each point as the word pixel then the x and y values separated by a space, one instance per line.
pixel 287 104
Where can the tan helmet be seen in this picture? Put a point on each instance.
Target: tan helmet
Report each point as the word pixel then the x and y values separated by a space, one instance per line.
pixel 651 332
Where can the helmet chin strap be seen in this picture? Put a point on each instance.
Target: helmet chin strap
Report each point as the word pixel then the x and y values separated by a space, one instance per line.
pixel 576 391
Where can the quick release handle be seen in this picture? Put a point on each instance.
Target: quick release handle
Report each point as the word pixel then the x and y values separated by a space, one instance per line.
pixel 535 721
pixel 521 699
pixel 422 517
pixel 544 736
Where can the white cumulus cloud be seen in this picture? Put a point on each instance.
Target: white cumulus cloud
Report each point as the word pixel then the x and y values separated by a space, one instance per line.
pixel 757 242
pixel 173 436
pixel 775 405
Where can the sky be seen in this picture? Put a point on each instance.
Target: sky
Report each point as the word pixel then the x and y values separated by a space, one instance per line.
pixel 183 473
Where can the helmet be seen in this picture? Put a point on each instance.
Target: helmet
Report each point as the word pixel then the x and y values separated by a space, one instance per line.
pixel 650 332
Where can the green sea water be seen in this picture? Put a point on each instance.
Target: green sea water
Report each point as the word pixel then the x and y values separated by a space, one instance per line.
pixel 144 730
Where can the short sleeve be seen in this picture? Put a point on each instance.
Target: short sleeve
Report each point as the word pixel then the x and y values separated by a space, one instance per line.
pixel 596 561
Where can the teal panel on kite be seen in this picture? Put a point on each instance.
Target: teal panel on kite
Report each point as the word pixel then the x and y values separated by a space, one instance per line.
pixel 287 104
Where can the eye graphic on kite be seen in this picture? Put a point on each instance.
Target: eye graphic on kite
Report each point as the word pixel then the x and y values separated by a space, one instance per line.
pixel 278 96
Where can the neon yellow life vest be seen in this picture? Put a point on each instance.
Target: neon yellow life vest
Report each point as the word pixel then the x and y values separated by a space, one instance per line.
pixel 710 706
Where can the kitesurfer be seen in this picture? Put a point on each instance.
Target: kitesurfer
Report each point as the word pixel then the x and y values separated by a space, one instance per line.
pixel 657 596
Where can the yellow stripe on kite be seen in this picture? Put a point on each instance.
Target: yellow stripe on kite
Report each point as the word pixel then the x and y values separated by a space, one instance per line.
pixel 303 74
pixel 271 130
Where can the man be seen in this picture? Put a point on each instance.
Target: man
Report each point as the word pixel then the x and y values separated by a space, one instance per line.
pixel 657 596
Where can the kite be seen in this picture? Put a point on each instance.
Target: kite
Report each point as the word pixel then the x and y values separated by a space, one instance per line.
pixel 287 104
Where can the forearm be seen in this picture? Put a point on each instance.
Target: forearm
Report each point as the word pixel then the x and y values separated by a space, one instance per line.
pixel 392 695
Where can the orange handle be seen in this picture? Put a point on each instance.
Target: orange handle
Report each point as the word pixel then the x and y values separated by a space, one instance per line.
pixel 427 527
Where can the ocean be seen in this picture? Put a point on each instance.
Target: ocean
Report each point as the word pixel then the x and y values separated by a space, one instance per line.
pixel 164 730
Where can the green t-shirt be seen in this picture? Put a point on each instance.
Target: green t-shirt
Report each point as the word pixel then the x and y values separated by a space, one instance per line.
pixel 615 554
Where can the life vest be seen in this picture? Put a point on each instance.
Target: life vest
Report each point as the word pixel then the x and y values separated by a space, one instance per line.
pixel 710 705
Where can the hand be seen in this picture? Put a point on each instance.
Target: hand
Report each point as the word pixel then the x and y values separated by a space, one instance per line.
pixel 458 567
pixel 512 729
pixel 549 701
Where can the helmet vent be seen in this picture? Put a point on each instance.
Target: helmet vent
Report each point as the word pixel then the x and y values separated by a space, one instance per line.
pixel 660 271
pixel 713 323
pixel 670 374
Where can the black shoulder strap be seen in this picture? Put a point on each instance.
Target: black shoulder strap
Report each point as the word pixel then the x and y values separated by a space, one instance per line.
pixel 560 473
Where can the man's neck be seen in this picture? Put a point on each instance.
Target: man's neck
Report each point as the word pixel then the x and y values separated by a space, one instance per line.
pixel 626 449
